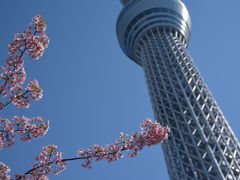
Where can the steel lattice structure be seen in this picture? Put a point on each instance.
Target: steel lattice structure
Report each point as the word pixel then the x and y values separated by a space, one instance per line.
pixel 155 34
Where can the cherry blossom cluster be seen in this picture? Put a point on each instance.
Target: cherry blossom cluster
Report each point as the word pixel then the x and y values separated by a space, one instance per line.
pixel 151 133
pixel 26 128
pixel 50 160
pixel 4 170
pixel 34 89
pixel 33 41
pixel 40 24
pixel 22 98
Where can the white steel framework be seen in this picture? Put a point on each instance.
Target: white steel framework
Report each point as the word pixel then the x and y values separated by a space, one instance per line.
pixel 201 144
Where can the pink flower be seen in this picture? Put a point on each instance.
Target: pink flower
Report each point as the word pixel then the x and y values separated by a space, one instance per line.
pixel 36 45
pixel 33 41
pixel 151 133
pixel 17 45
pixel 18 97
pixel 7 136
pixel 31 128
pixel 48 161
pixel 26 128
pixel 1 140
pixel 35 90
pixel 4 170
pixel 17 78
pixel 40 24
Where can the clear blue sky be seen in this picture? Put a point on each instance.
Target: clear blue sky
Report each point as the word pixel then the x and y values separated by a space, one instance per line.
pixel 92 91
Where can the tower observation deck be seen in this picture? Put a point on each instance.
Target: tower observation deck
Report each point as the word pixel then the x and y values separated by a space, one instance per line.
pixel 201 145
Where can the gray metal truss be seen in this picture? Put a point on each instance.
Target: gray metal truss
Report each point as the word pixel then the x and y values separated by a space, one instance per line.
pixel 201 145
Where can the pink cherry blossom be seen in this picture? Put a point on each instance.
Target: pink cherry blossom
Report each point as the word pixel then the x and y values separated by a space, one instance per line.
pixel 17 45
pixel 33 39
pixel 26 128
pixel 14 73
pixel 30 128
pixel 4 170
pixel 40 24
pixel 7 136
pixel 36 45
pixel 34 42
pixel 151 133
pixel 48 161
pixel 19 98
pixel 34 89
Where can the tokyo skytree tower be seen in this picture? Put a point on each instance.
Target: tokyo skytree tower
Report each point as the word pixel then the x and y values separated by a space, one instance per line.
pixel 201 145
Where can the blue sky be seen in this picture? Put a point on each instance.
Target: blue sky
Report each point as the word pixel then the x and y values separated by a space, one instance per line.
pixel 92 91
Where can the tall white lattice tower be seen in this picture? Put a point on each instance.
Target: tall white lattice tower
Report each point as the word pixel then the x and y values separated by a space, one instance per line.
pixel 155 34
